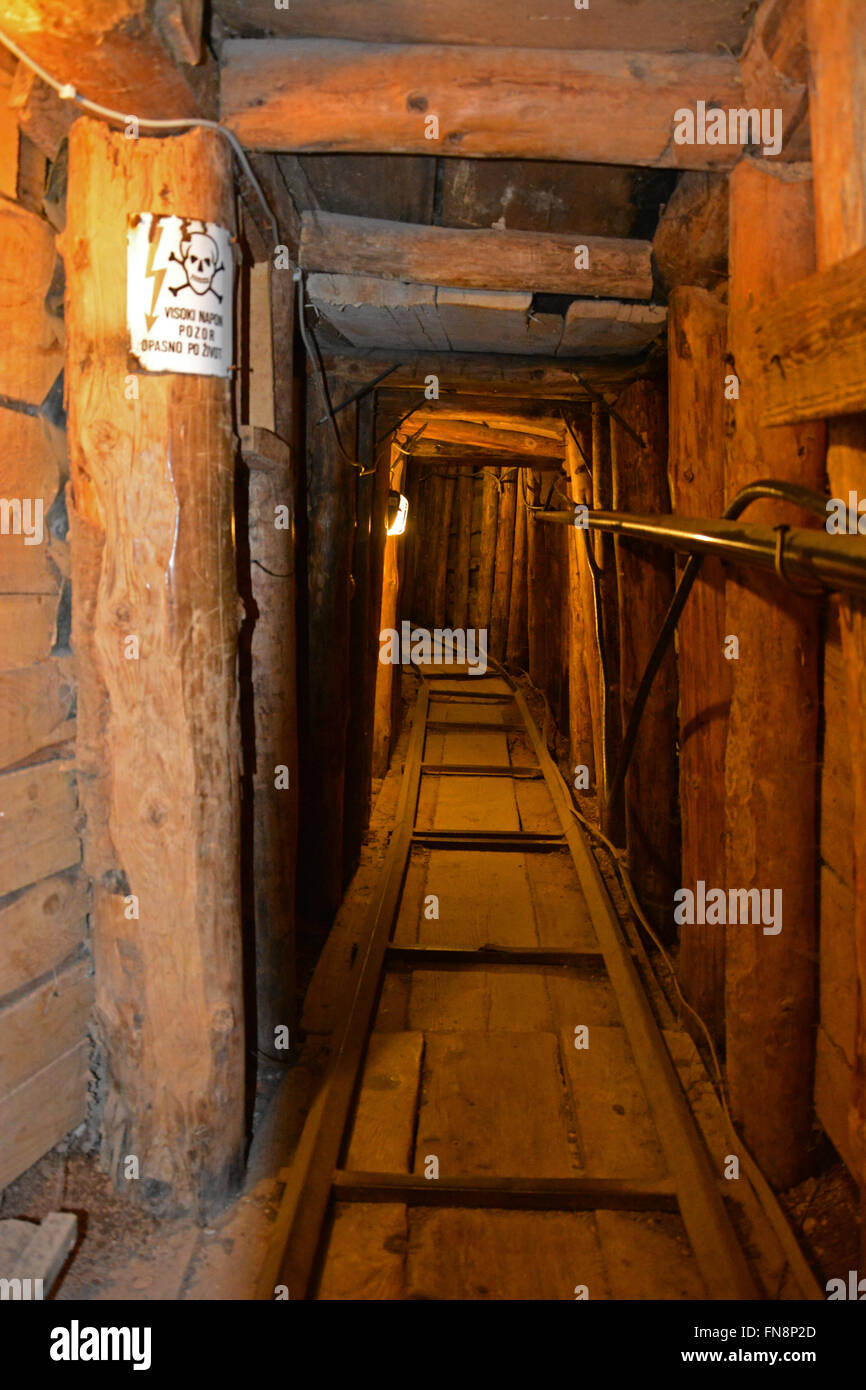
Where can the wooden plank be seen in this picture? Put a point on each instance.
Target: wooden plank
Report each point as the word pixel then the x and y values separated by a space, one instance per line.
pixel 690 246
pixel 28 628
pixel 584 673
pixel 484 438
pixel 261 408
pixel 770 986
pixel 537 196
pixel 648 1256
pixel 616 1132
pixel 837 964
pixel 691 25
pixel 497 1255
pixel 40 927
pixel 33 353
pixel 496 321
pixel 514 1194
pixel 160 740
pixel 372 312
pixel 44 1024
pixel 365 1253
pixel 383 1127
pixel 398 186
pixel 526 262
pixel 40 1250
pixel 835 1080
pixel 696 364
pixel 30 470
pixel 35 708
pixel 494 1104
pixel 37 834
pixel 561 913
pixel 38 1114
pixel 606 328
pixel 482 898
pixel 459 807
pixel 810 345
pixel 604 108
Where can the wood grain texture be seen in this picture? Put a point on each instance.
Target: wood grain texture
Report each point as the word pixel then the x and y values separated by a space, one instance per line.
pixel 37 832
pixel 771 748
pixel 645 581
pixel 690 246
pixel 44 1024
pixel 837 83
pixel 474 259
pixel 33 352
pixel 40 927
pixel 583 673
pixel 810 346
pixel 697 330
pixel 152 483
pixel 591 107
pixel 43 1109
pixel 691 25
pixel 36 704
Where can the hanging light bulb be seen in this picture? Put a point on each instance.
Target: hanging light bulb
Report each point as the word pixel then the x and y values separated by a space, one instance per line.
pixel 398 511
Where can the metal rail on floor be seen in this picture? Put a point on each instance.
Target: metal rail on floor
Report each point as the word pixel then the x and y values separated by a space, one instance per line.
pixel 315 1180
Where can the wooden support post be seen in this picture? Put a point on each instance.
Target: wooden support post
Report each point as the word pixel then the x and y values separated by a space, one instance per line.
pixel 546 547
pixel 517 647
pixel 152 559
pixel 382 724
pixel 330 532
pixel 772 750
pixel 612 817
pixel 442 538
pixel 697 333
pixel 645 580
pixel 359 735
pixel 581 638
pixel 483 595
pixel 460 615
pixel 837 51
pixel 273 756
pixel 503 564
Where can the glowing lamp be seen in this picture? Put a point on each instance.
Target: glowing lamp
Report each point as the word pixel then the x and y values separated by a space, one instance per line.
pixel 398 511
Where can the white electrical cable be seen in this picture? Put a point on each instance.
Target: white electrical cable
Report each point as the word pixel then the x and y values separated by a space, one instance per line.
pixel 67 92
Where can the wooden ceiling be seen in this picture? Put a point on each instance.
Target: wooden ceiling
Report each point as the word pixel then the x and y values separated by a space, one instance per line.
pixel 654 26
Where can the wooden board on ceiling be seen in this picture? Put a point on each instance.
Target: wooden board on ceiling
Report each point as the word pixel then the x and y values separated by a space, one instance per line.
pixel 538 196
pixel 603 328
pixel 656 26
pixel 369 312
pixel 397 187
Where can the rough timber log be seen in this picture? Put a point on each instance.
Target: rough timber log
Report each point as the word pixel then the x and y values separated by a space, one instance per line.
pixel 158 752
pixel 517 646
pixel 382 723
pixel 645 581
pixel 475 258
pixel 696 469
pixel 602 108
pixel 463 510
pixel 275 717
pixel 583 701
pixel 612 817
pixel 772 747
pixel 837 51
pixel 470 435
pixel 503 564
pixel 482 598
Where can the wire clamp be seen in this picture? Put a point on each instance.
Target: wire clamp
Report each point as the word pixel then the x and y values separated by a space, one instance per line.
pixel 804 590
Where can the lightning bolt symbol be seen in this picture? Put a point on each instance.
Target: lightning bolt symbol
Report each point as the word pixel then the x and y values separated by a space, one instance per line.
pixel 156 275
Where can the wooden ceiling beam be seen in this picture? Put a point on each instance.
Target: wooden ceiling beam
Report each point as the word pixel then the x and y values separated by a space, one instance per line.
pixel 324 95
pixel 686 25
pixel 469 258
pixel 120 54
pixel 479 436
pixel 473 372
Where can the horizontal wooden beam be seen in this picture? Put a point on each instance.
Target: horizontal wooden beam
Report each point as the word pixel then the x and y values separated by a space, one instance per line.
pixel 325 95
pixel 468 258
pixel 460 373
pixel 811 346
pixel 451 414
pixel 695 25
pixel 480 436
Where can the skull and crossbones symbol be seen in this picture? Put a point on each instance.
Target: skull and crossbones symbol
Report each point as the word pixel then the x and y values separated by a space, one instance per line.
pixel 199 258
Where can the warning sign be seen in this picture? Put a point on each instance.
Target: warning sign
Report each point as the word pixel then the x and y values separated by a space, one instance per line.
pixel 179 277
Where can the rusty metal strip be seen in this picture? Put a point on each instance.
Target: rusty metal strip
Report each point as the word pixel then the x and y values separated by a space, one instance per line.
pixel 509 1194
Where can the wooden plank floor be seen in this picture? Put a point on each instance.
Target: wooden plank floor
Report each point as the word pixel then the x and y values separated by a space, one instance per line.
pixel 473 1070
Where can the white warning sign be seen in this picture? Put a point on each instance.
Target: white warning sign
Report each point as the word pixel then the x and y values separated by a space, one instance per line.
pixel 179 278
